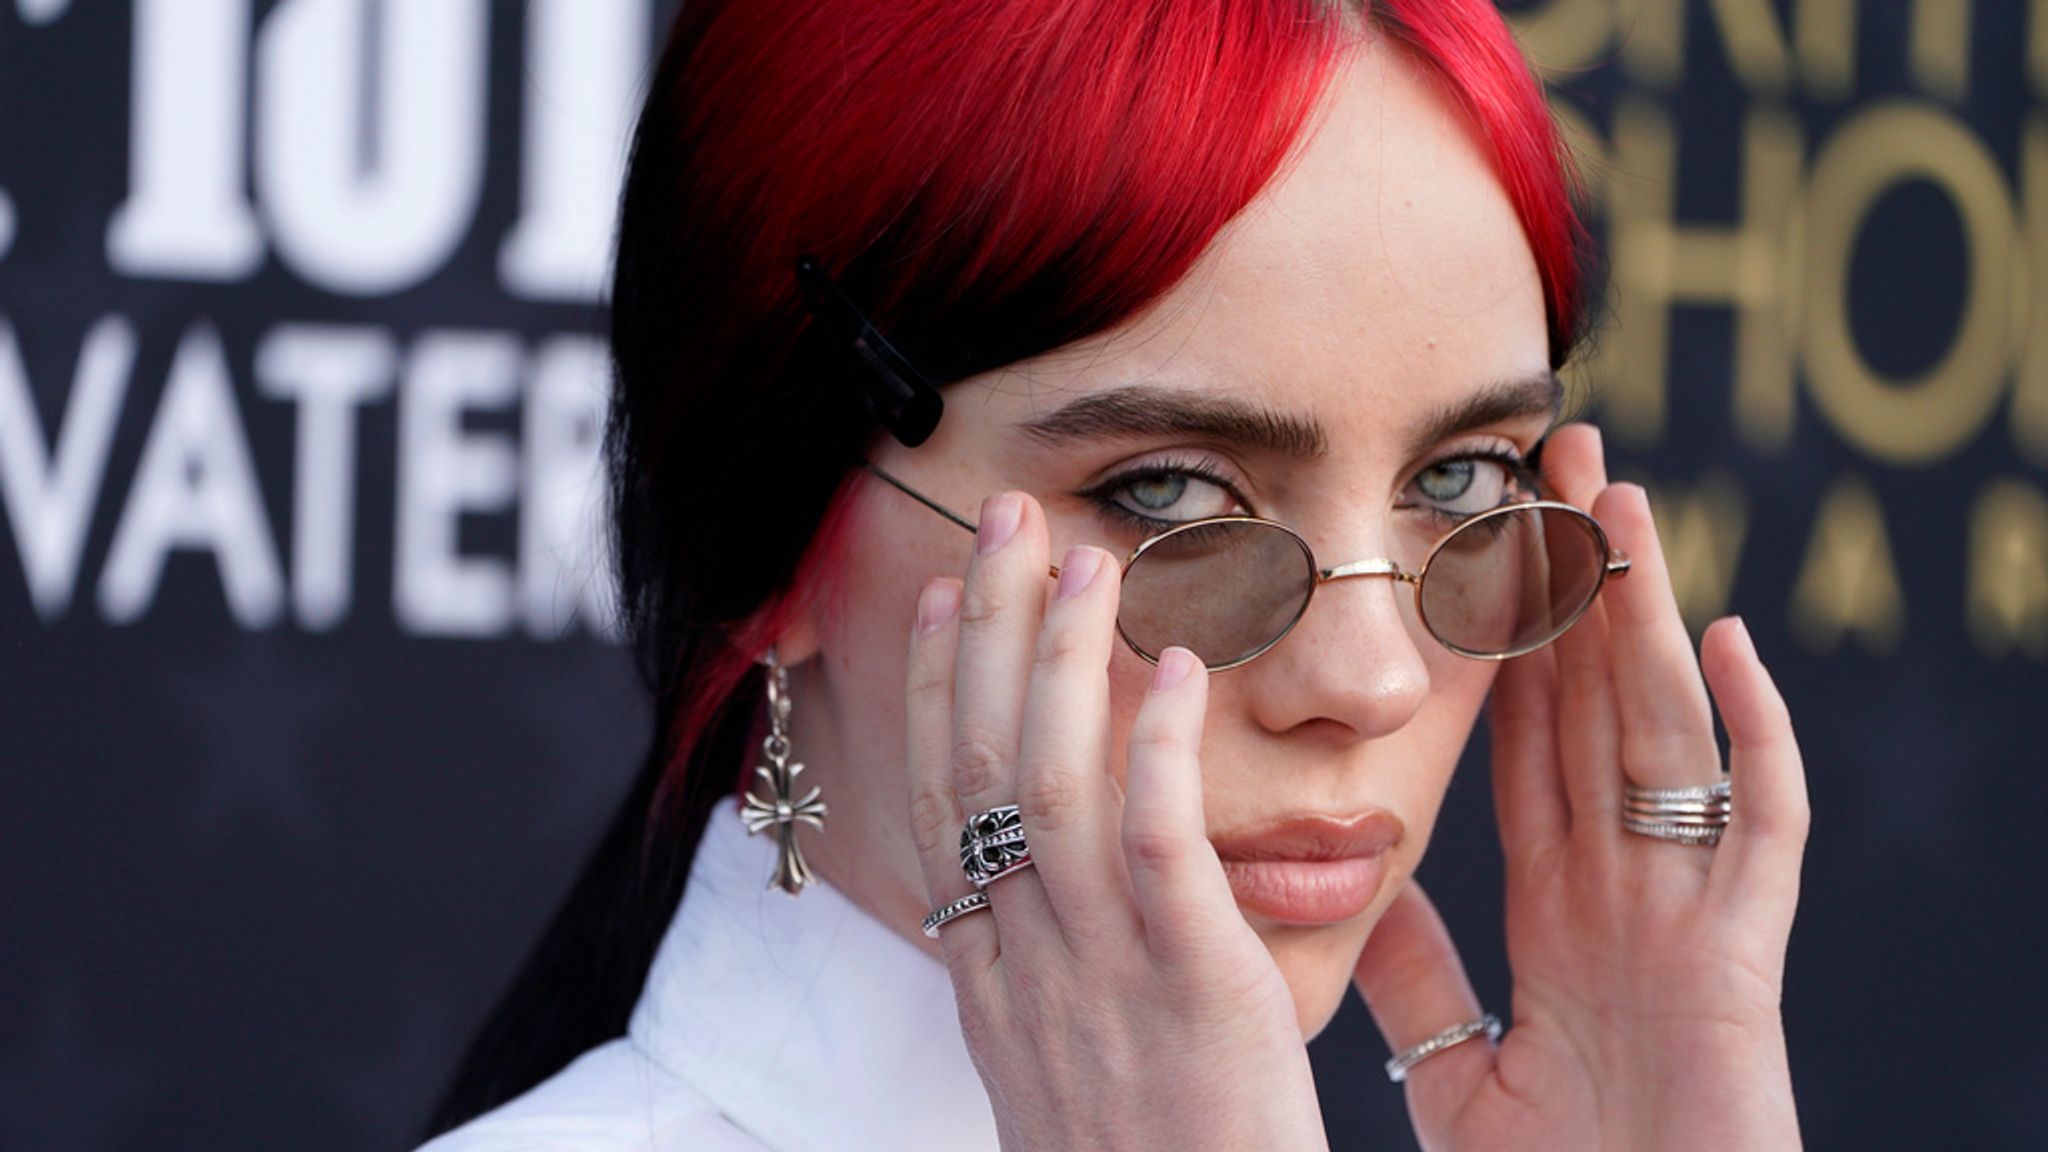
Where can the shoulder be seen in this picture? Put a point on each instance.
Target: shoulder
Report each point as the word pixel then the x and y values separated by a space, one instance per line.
pixel 610 1099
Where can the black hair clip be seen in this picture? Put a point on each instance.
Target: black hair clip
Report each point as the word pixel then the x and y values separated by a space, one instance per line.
pixel 902 399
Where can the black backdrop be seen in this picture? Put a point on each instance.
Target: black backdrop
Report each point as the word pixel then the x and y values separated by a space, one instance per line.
pixel 307 711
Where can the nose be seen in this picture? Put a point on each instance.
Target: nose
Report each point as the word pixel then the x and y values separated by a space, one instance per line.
pixel 1354 659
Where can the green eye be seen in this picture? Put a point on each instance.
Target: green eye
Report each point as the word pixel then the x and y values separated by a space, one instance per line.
pixel 1446 481
pixel 1156 493
pixel 1462 486
pixel 1166 493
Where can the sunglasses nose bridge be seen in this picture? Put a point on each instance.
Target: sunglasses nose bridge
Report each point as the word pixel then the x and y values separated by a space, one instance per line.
pixel 1385 568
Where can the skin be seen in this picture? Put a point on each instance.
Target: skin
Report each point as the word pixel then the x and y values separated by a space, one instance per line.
pixel 1382 277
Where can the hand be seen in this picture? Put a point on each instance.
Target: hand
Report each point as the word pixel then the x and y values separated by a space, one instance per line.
pixel 1647 974
pixel 1112 996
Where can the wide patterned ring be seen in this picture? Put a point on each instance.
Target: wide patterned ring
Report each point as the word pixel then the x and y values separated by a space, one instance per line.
pixel 992 845
pixel 1693 815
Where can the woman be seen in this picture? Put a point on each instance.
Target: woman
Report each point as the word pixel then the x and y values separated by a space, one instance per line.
pixel 1098 269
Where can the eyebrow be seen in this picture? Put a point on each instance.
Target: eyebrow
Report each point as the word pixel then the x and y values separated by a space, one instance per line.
pixel 1134 411
pixel 1137 410
pixel 1538 394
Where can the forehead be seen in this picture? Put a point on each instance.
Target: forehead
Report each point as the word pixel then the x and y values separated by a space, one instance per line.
pixel 1381 275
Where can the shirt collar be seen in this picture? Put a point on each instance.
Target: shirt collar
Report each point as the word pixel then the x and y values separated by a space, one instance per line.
pixel 807 1022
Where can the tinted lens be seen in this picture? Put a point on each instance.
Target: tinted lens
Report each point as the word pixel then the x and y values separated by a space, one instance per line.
pixel 1223 589
pixel 1513 580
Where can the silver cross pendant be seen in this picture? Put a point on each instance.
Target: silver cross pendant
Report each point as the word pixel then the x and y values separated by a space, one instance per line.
pixel 781 809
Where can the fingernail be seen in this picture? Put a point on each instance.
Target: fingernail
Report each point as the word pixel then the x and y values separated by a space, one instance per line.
pixel 1174 666
pixel 1078 571
pixel 1000 516
pixel 1742 633
pixel 936 605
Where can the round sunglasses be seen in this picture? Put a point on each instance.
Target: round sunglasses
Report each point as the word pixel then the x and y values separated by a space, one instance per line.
pixel 1502 583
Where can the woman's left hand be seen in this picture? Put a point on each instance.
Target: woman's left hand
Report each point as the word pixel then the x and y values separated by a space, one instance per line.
pixel 1647 973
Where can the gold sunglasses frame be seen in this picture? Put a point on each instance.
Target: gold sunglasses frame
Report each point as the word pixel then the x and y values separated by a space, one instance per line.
pixel 1614 564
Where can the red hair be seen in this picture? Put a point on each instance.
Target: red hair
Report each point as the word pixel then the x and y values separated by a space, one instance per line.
pixel 993 180
pixel 987 182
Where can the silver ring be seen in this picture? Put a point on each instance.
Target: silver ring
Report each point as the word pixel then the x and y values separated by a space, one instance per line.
pixel 992 845
pixel 1397 1068
pixel 972 902
pixel 1697 814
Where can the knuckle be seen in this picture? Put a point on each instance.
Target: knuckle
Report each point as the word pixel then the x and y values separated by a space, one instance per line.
pixel 1668 747
pixel 1775 713
pixel 979 761
pixel 933 823
pixel 1581 681
pixel 1156 739
pixel 1152 848
pixel 1060 646
pixel 1050 798
pixel 927 684
pixel 980 606
pixel 981 1020
pixel 1790 824
pixel 1799 824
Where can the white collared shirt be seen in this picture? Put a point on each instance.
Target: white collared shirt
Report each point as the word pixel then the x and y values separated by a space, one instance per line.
pixel 796 1025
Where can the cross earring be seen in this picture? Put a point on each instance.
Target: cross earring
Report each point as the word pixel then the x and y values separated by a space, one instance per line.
pixel 781 809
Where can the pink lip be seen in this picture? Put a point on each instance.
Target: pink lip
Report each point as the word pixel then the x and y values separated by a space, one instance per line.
pixel 1311 870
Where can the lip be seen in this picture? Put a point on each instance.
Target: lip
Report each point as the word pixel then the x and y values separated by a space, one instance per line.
pixel 1311 869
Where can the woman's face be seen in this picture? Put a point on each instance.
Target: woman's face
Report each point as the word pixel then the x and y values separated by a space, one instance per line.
pixel 1380 297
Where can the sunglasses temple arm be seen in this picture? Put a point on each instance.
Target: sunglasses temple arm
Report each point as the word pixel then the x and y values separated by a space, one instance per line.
pixel 1618 563
pixel 935 506
pixel 921 498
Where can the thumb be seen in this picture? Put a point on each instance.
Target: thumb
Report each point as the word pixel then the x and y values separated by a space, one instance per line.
pixel 1415 985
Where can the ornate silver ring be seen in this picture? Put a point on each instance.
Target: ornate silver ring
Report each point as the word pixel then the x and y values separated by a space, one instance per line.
pixel 992 845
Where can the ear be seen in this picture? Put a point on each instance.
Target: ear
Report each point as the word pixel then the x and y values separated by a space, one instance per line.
pixel 802 635
pixel 791 621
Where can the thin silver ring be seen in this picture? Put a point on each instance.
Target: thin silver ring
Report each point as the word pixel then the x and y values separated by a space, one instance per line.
pixel 1397 1068
pixel 1708 837
pixel 1719 790
pixel 1696 814
pixel 972 902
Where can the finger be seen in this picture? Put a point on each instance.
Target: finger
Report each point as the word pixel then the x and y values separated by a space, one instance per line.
pixel 1063 786
pixel 1575 464
pixel 1415 984
pixel 1001 605
pixel 1589 740
pixel 1528 796
pixel 1757 863
pixel 1176 878
pixel 969 942
pixel 1589 725
pixel 1667 724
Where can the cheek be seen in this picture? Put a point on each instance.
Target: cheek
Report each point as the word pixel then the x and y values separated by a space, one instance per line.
pixel 1130 678
pixel 1458 687
pixel 866 618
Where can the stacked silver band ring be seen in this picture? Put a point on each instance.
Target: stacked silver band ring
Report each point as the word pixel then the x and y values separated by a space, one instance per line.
pixel 1695 815
pixel 972 902
pixel 1397 1068
pixel 992 845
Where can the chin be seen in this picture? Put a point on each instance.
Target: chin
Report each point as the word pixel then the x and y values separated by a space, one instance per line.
pixel 1317 963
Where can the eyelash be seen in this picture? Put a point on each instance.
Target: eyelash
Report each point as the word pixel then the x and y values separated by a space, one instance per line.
pixel 1521 472
pixel 1193 469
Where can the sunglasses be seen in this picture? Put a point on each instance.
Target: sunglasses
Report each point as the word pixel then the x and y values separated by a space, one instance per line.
pixel 1502 583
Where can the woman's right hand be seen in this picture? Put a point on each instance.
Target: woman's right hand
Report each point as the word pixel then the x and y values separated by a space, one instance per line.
pixel 1112 996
